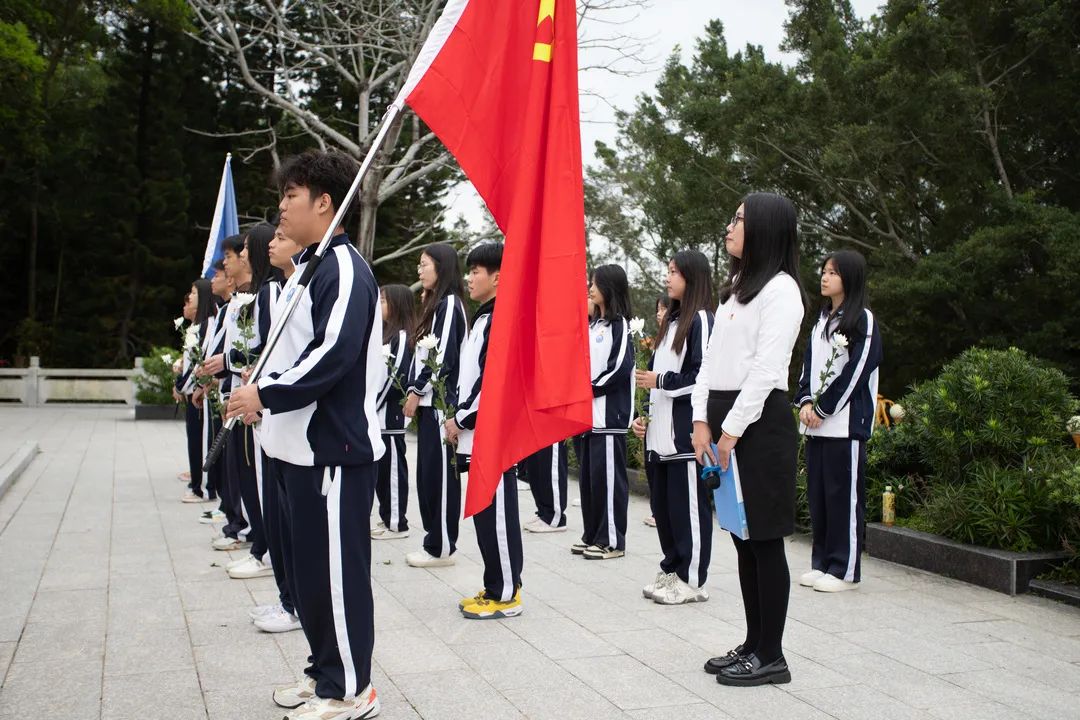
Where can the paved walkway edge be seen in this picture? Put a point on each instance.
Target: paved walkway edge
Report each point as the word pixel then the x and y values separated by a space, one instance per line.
pixel 14 466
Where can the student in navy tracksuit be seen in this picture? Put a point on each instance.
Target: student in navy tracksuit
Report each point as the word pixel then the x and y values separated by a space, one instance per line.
pixel 604 488
pixel 837 415
pixel 199 306
pixel 498 529
pixel 663 304
pixel 280 616
pixel 267 279
pixel 238 454
pixel 323 431
pixel 677 494
pixel 546 472
pixel 222 287
pixel 438 486
pixel 399 324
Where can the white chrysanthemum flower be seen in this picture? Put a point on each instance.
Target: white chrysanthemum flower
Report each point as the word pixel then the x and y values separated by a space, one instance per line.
pixel 191 338
pixel 896 412
pixel 840 340
pixel 387 353
pixel 178 322
pixel 167 359
pixel 243 298
pixel 1073 425
pixel 637 326
pixel 428 342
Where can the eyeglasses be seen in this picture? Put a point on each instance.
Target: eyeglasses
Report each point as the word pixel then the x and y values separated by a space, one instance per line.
pixel 422 266
pixel 736 219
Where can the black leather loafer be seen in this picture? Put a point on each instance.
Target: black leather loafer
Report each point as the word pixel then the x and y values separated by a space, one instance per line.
pixel 748 671
pixel 713 666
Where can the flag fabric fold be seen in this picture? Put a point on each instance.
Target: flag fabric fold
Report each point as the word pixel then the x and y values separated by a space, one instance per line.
pixel 225 222
pixel 496 81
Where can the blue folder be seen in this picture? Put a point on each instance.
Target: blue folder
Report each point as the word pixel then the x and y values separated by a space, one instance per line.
pixel 728 498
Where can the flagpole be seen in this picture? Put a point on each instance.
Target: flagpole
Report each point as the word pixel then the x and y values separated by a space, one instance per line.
pixel 305 277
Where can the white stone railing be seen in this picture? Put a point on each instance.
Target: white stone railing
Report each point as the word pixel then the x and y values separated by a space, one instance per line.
pixel 35 386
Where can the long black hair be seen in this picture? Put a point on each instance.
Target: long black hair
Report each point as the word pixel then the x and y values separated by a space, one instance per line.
pixel 400 313
pixel 694 267
pixel 663 301
pixel 205 304
pixel 770 246
pixel 611 281
pixel 851 266
pixel 258 255
pixel 448 282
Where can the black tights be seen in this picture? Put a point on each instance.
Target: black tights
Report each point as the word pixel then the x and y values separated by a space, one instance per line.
pixel 765 583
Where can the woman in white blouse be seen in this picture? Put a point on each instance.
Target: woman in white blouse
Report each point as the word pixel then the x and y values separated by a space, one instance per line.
pixel 740 402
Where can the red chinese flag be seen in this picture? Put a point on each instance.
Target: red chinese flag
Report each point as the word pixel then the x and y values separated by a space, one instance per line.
pixel 497 82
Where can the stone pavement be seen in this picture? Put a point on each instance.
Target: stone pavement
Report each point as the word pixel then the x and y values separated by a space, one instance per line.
pixel 113 605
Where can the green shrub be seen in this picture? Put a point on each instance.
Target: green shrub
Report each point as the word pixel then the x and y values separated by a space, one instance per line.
pixel 634 452
pixel 988 406
pixel 980 455
pixel 155 385
pixel 998 507
pixel 892 459
pixel 571 455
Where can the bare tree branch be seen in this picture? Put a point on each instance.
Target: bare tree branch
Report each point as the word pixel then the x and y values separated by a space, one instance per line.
pixel 296 56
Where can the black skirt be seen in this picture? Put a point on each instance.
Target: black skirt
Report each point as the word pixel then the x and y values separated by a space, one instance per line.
pixel 767 459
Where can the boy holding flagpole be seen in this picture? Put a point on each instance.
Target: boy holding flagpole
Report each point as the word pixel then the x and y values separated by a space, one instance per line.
pixel 323 431
pixel 498 528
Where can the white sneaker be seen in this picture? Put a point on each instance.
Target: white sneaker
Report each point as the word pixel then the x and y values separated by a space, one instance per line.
pixel 191 497
pixel 422 559
pixel 236 563
pixel 808 579
pixel 602 552
pixel 296 695
pixel 252 567
pixel 227 543
pixel 363 706
pixel 537 525
pixel 650 521
pixel 524 486
pixel 212 516
pixel 278 622
pixel 676 592
pixel 260 611
pixel 386 533
pixel 831 584
pixel 576 502
pixel 657 585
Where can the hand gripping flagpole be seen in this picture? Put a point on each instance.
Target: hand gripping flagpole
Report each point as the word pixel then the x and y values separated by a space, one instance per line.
pixel 305 277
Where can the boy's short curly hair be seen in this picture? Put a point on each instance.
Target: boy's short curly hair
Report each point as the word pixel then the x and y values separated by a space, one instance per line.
pixel 320 172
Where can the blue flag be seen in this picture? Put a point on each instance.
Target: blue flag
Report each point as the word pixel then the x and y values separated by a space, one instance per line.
pixel 225 222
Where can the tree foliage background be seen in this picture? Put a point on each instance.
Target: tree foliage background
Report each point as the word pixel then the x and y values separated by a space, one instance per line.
pixel 941 138
pixel 114 124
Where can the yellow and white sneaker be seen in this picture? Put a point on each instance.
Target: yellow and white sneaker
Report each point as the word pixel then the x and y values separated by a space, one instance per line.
pixel 470 600
pixel 485 609
pixel 363 706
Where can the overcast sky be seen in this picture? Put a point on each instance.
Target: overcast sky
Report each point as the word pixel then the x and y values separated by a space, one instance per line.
pixel 665 24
